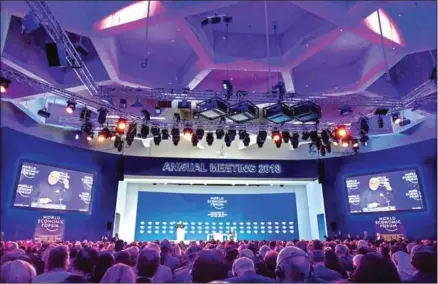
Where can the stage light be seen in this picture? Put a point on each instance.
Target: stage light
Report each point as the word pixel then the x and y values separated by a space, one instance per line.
pixel 90 136
pixel 157 109
pixel 4 85
pixel 261 138
pixel 209 138
pixel 131 133
pixel 355 144
pixel 85 114
pixel 157 140
pixel 213 108
pixel 175 140
pixel 78 135
pixel 345 110
pixel 305 135
pixel 286 136
pixel 144 131
pixel 325 136
pixel 364 125
pixel 335 143
pixel 364 139
pixel 242 134
pixel 195 140
pixel 87 127
pixel 146 115
pixel 177 117
pixel 295 140
pixel 187 132
pixel 405 122
pixel 121 125
pixel 200 133
pixel 220 134
pixel 380 122
pixel 396 118
pixel 227 86
pixel 341 132
pixel 44 113
pixel 328 147
pixel 276 137
pixel 155 131
pixel 101 118
pixel 227 140
pixel 165 134
pixel 100 137
pixel 247 140
pixel 279 88
pixel 243 111
pixel 122 103
pixel 345 144
pixel 232 133
pixel 278 113
pixel 71 106
pixel 306 112
pixel 175 136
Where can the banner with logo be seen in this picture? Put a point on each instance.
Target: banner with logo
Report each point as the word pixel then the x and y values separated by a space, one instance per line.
pixel 50 228
pixel 389 225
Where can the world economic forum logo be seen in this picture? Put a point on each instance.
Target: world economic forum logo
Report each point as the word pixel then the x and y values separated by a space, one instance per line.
pixel 411 177
pixel 217 202
pixel 390 224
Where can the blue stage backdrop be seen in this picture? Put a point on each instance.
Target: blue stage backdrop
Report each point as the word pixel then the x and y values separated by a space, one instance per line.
pixel 252 216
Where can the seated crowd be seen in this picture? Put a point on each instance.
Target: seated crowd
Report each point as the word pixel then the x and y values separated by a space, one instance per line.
pixel 357 261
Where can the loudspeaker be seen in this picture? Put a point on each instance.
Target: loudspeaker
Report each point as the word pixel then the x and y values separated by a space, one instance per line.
pixel 321 172
pixel 121 169
pixel 109 226
pixel 334 227
pixel 55 54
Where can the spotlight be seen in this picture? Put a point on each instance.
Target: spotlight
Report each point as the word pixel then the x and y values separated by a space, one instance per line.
pixel 177 117
pixel 335 143
pixel 195 140
pixel 85 114
pixel 4 85
pixel 396 118
pixel 165 134
pixel 364 126
pixel 146 115
pixel 213 108
pixel 155 131
pixel 100 137
pixel 209 138
pixel 120 145
pixel 71 106
pixel 226 85
pixel 243 111
pixel 328 147
pixel 305 135
pixel 44 113
pixel 131 133
pixel 90 136
pixel 345 144
pixel 314 136
pixel 175 136
pixel 355 145
pixel 157 109
pixel 380 122
pixel 87 127
pixel 77 135
pixel 295 140
pixel 345 110
pixel 101 118
pixel 325 136
pixel 220 134
pixel 246 140
pixel 144 131
pixel 341 132
pixel 242 134
pixel 286 136
pixel 232 133
pixel 187 132
pixel 121 125
pixel 227 140
pixel 278 113
pixel 122 103
pixel 157 140
pixel 117 142
pixel 279 88
pixel 261 138
pixel 276 137
pixel 200 133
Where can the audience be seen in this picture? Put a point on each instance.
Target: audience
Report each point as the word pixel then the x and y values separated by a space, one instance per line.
pixel 333 260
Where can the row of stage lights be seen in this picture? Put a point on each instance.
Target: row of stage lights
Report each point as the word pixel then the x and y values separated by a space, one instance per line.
pixel 125 132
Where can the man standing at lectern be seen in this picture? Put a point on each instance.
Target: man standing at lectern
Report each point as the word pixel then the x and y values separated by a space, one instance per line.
pixel 180 231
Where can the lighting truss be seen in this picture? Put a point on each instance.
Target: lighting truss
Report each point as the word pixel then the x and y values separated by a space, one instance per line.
pixel 47 20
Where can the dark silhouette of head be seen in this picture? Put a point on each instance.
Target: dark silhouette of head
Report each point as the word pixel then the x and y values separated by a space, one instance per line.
pixel 104 261
pixel 209 266
pixel 58 258
pixel 293 265
pixel 85 260
pixel 123 257
pixel 425 261
pixel 332 262
pixel 374 268
pixel 148 262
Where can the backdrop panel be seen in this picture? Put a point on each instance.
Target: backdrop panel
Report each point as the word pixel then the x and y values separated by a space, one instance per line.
pixel 254 216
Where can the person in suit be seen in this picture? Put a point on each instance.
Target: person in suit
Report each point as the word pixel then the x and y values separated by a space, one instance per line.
pixel 244 272
pixel 378 195
pixel 320 270
pixel 55 191
pixel 167 259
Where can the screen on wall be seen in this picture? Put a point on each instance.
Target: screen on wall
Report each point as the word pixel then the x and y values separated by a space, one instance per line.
pixel 245 216
pixel 392 191
pixel 50 188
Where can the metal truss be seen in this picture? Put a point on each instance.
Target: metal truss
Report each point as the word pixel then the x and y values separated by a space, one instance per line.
pixel 47 20
pixel 392 104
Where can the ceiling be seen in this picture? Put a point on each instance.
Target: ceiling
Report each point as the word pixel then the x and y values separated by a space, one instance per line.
pixel 325 49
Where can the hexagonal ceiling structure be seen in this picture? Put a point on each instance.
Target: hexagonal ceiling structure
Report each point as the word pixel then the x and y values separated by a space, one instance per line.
pixel 336 53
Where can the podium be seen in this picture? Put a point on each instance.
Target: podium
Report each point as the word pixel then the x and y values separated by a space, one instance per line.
pixel 180 234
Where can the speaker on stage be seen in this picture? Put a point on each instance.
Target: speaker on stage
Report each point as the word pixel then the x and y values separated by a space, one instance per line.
pixel 55 53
